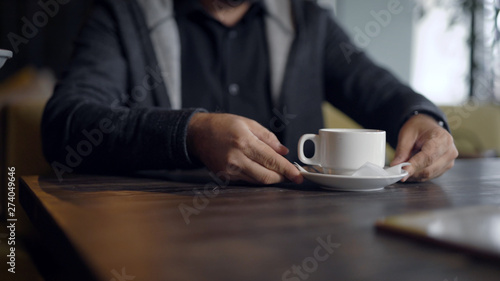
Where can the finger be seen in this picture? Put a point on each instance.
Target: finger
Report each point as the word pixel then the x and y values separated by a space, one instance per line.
pixel 268 138
pixel 279 164
pixel 241 168
pixel 260 174
pixel 233 170
pixel 430 158
pixel 268 158
pixel 406 144
pixel 237 177
pixel 418 162
pixel 443 163
pixel 433 171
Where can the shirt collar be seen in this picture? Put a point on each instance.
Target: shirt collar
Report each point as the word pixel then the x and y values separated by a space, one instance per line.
pixel 184 7
pixel 278 10
pixel 281 12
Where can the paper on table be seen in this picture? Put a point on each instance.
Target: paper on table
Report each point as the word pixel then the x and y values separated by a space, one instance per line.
pixel 371 170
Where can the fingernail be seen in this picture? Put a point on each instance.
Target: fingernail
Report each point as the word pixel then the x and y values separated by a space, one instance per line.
pixel 284 148
pixel 298 179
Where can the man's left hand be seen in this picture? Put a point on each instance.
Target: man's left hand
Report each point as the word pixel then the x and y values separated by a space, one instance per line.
pixel 427 146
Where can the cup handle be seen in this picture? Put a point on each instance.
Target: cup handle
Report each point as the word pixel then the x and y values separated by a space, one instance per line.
pixel 315 159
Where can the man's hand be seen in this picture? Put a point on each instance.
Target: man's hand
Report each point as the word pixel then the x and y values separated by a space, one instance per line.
pixel 427 146
pixel 239 147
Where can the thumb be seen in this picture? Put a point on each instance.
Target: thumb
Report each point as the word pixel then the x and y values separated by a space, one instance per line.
pixel 406 143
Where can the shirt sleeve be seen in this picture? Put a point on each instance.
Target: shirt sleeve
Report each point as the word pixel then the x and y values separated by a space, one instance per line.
pixel 90 124
pixel 369 94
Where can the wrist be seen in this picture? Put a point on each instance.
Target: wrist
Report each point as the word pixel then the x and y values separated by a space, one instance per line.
pixel 194 132
pixel 437 119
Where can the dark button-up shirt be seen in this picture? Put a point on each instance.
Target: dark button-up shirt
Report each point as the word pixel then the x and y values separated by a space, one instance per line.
pixel 224 69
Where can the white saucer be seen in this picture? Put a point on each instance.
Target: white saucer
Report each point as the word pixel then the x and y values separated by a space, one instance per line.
pixel 352 183
pixel 4 55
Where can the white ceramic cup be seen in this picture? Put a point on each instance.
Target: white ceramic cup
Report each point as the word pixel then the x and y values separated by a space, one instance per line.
pixel 343 151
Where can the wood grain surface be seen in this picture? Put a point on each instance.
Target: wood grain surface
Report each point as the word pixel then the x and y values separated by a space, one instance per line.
pixel 139 228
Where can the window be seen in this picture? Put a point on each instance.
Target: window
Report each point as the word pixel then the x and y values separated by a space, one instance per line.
pixel 439 64
pixel 427 45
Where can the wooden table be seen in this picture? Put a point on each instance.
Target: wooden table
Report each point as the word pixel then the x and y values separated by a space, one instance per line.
pixel 126 228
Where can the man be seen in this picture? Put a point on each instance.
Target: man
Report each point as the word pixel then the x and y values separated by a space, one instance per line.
pixel 162 84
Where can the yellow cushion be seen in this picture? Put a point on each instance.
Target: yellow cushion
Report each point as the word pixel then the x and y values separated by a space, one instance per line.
pixel 22 99
pixel 23 142
pixel 476 129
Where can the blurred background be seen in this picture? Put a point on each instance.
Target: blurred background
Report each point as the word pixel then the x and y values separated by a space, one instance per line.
pixel 39 35
pixel 444 49
pixel 439 47
pixel 448 50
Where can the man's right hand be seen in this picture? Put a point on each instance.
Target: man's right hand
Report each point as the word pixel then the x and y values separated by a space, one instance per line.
pixel 239 147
